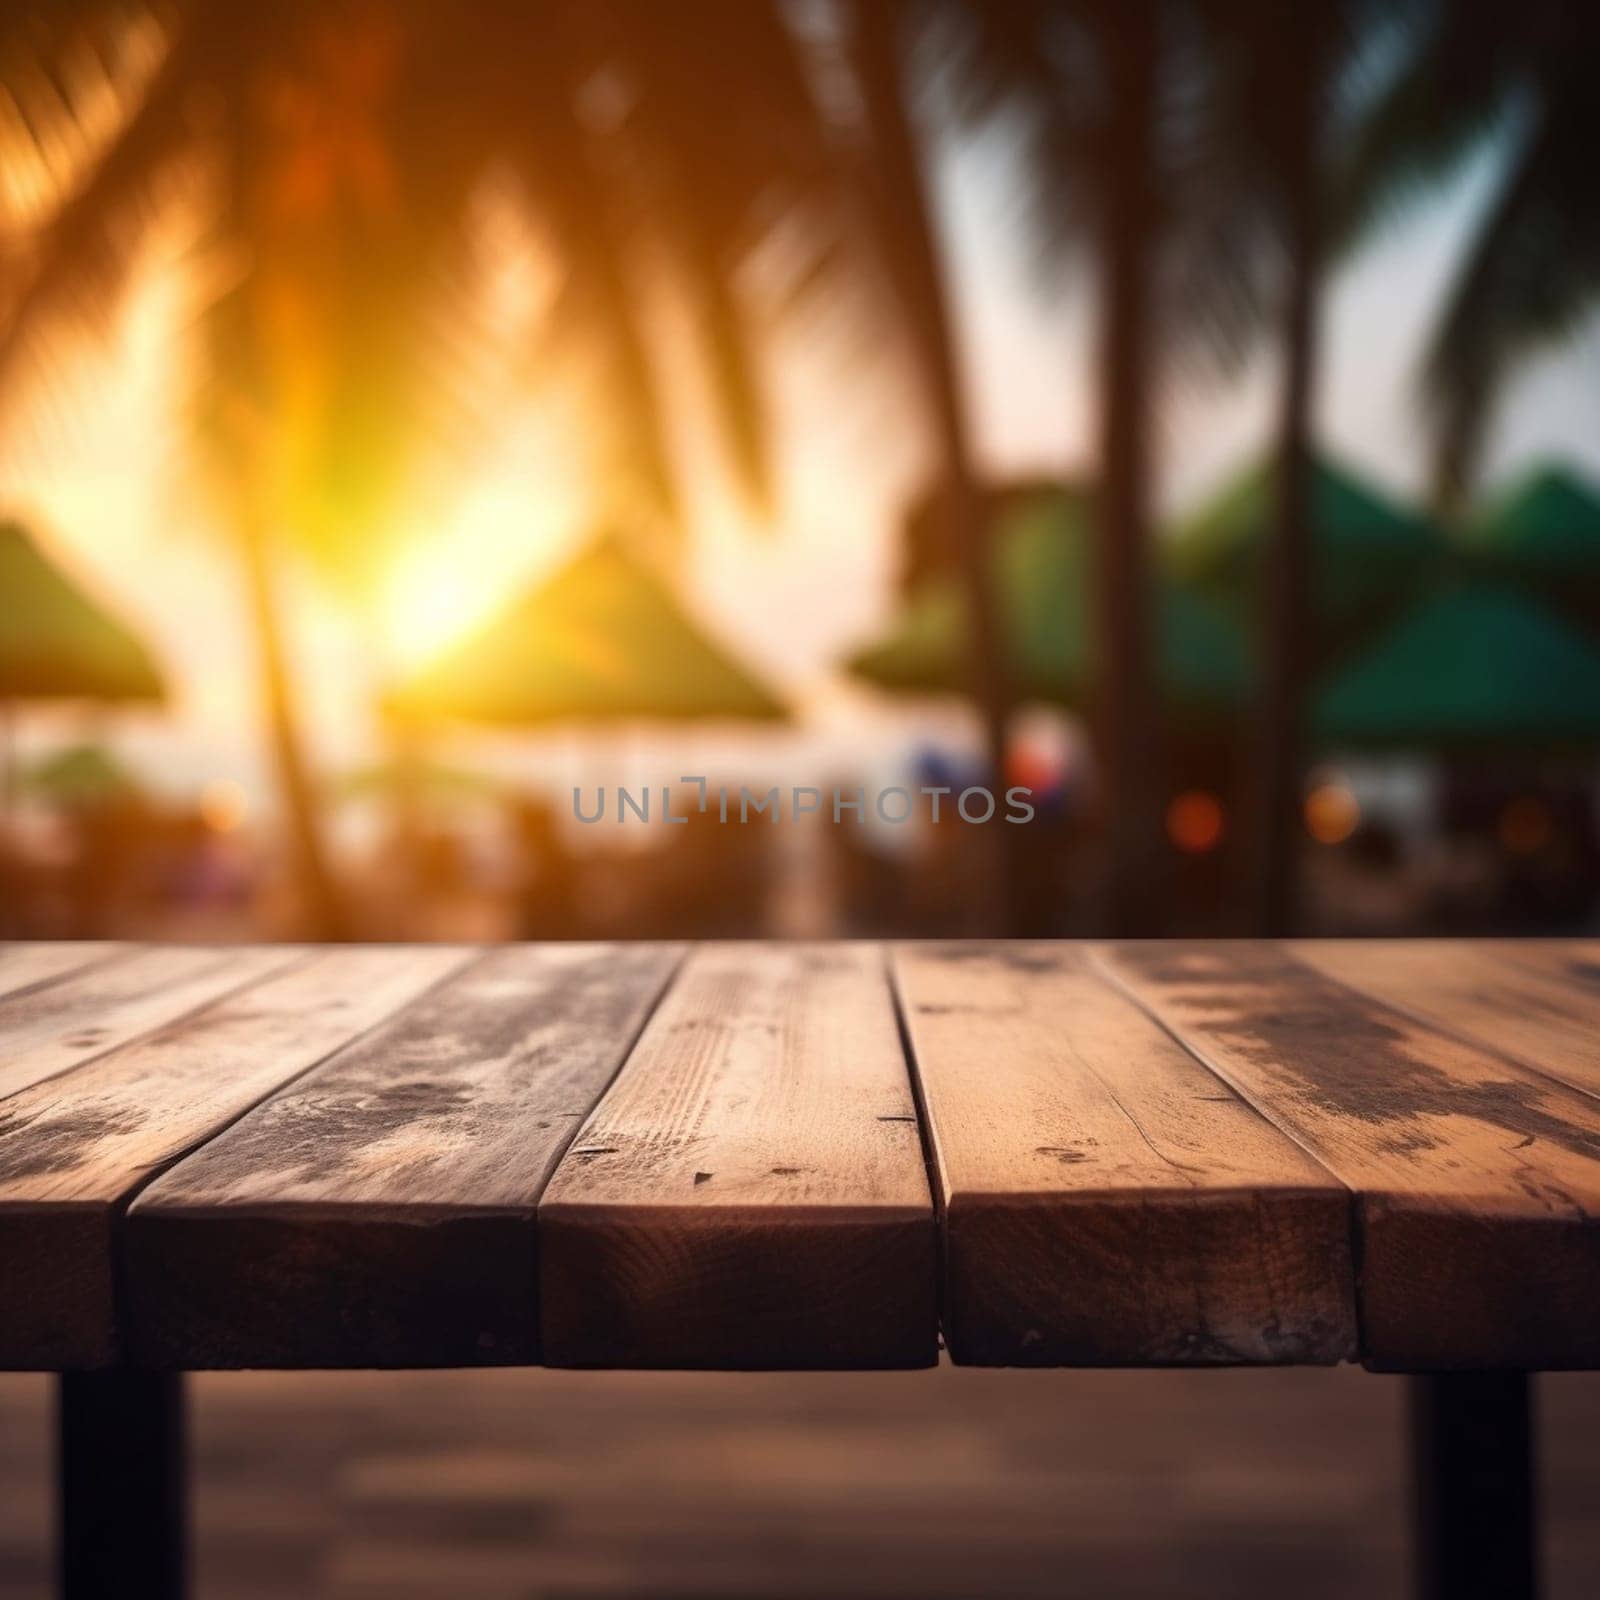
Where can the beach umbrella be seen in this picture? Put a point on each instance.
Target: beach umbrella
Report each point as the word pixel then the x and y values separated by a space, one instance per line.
pixel 58 643
pixel 603 640
pixel 1545 525
pixel 924 649
pixel 1369 555
pixel 1043 552
pixel 82 776
pixel 1472 666
pixel 1542 534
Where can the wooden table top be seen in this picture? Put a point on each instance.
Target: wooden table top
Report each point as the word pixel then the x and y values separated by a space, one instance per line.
pixel 767 1155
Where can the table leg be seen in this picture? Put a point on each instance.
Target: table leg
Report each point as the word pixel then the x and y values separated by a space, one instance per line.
pixel 122 1528
pixel 1472 1457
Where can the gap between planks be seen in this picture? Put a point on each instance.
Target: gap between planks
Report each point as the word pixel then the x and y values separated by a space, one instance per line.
pixel 1477 1181
pixel 82 1145
pixel 1106 1198
pixel 380 1210
pixel 752 1191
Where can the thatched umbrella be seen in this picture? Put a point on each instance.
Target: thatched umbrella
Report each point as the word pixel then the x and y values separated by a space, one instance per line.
pixel 82 777
pixel 602 641
pixel 59 643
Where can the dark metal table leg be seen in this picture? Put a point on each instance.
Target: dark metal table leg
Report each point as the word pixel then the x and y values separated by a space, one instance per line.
pixel 1472 1456
pixel 122 1529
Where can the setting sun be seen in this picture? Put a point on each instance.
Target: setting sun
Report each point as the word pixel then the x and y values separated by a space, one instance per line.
pixel 515 519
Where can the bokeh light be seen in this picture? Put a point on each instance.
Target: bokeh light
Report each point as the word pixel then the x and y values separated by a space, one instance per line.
pixel 223 805
pixel 1332 813
pixel 1525 826
pixel 1195 822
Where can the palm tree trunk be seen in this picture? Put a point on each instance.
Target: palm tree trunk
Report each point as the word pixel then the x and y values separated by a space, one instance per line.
pixel 1286 620
pixel 916 266
pixel 1126 708
pixel 324 910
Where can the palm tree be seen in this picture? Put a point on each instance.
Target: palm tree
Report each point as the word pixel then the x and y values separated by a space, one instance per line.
pixel 337 155
pixel 1090 91
pixel 1519 81
pixel 1130 46
pixel 882 35
pixel 1285 594
pixel 1276 86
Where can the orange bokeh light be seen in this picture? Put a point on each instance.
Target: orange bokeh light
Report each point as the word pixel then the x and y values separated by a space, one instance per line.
pixel 1525 826
pixel 223 805
pixel 1195 822
pixel 1332 813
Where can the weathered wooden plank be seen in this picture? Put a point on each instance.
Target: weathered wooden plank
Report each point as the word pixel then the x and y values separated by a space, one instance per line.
pixel 751 1190
pixel 1545 1014
pixel 1571 960
pixel 29 963
pixel 47 1031
pixel 380 1212
pixel 1477 1182
pixel 1106 1199
pixel 73 1149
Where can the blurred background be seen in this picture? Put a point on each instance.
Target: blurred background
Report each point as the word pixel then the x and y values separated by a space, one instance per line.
pixel 410 413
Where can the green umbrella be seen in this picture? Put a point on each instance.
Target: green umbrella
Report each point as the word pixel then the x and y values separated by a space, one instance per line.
pixel 1545 528
pixel 604 640
pixel 1043 575
pixel 82 775
pixel 924 652
pixel 1369 556
pixel 1471 666
pixel 1541 536
pixel 56 643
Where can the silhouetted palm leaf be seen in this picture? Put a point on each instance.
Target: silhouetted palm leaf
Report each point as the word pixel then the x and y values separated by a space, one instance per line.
pixel 449 93
pixel 1520 81
pixel 337 153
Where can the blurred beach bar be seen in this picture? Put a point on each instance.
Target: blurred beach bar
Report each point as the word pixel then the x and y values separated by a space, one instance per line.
pixel 415 419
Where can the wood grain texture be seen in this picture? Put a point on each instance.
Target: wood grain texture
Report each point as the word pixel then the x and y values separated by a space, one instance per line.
pixel 1539 1006
pixel 73 1149
pixel 751 1191
pixel 50 1030
pixel 1477 1182
pixel 29 963
pixel 1572 960
pixel 380 1212
pixel 1106 1199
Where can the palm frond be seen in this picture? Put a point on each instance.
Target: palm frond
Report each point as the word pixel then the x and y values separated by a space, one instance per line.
pixel 600 314
pixel 710 200
pixel 1446 78
pixel 315 372
pixel 75 267
pixel 1531 274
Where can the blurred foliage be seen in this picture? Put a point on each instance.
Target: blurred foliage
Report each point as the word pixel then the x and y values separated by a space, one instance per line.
pixel 1522 76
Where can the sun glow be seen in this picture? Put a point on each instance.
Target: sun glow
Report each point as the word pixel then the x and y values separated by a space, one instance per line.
pixel 508 530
